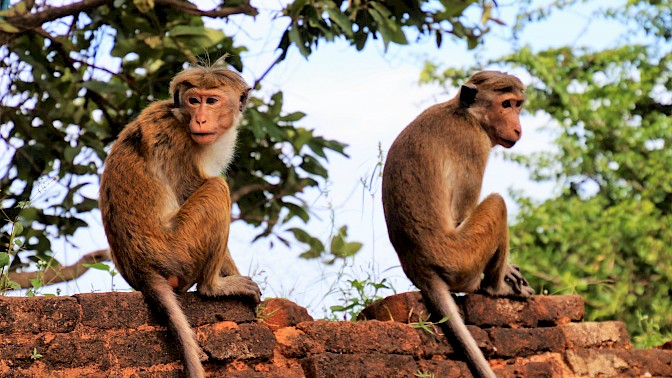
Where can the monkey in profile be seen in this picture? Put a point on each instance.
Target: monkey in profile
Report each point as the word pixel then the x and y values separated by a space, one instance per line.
pixel 166 209
pixel 445 239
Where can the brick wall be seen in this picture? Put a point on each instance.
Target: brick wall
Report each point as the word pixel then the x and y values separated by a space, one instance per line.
pixel 114 335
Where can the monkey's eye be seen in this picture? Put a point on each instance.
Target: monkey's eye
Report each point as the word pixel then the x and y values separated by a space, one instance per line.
pixel 193 101
pixel 506 104
pixel 519 104
pixel 211 100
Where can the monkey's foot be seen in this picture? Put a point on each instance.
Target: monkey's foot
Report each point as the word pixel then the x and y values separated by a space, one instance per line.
pixel 514 285
pixel 232 286
pixel 514 278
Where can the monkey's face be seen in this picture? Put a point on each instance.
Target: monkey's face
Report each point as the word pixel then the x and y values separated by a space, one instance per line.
pixel 503 119
pixel 212 113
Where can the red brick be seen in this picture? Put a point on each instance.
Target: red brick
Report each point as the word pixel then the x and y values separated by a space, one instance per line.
pixel 278 367
pixel 557 309
pixel 6 315
pixel 486 311
pixel 523 342
pixel 73 351
pixel 531 370
pixel 328 365
pixel 596 335
pixel 363 337
pixel 147 347
pixel 438 344
pixel 294 343
pixel 620 363
pixel 444 368
pixel 279 312
pixel 228 341
pixel 16 349
pixel 203 310
pixel 114 310
pixel 40 314
pixel 483 310
pixel 403 308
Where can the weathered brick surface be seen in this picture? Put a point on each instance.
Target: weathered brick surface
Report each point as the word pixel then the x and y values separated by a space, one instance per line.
pixel 620 363
pixel 444 368
pixel 523 342
pixel 596 335
pixel 115 335
pixel 201 310
pixel 113 310
pixel 39 314
pixel 228 341
pixel 370 365
pixel 279 312
pixel 484 311
pixel 294 343
pixel 536 311
pixel 362 337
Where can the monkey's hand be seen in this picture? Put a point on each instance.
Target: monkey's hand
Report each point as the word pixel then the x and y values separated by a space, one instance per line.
pixel 232 286
pixel 514 278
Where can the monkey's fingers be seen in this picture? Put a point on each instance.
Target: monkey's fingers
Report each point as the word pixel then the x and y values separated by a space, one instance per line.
pixel 515 279
pixel 232 286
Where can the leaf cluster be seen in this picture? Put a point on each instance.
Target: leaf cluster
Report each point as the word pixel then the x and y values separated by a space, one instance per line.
pixel 312 21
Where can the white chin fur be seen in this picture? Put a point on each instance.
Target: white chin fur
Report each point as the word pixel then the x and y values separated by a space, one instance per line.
pixel 217 156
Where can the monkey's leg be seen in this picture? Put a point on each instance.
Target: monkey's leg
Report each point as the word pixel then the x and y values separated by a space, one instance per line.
pixel 489 224
pixel 227 280
pixel 202 229
pixel 229 267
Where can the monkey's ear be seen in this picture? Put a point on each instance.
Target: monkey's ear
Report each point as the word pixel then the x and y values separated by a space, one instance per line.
pixel 243 99
pixel 468 95
pixel 176 99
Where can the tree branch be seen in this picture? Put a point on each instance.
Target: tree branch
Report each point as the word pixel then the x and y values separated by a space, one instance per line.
pixel 245 190
pixel 60 273
pixel 215 13
pixel 29 21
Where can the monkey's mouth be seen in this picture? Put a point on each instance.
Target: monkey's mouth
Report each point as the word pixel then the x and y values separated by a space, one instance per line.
pixel 507 143
pixel 203 138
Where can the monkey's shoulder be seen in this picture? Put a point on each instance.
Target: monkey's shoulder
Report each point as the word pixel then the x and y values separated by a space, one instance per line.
pixel 156 130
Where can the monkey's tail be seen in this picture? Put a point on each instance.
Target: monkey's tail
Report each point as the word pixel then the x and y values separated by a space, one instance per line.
pixel 162 296
pixel 444 303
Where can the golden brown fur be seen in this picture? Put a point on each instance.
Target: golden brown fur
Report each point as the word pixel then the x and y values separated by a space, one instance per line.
pixel 445 239
pixel 165 208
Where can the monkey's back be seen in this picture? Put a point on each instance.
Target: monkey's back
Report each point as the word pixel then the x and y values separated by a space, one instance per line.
pixel 135 189
pixel 432 179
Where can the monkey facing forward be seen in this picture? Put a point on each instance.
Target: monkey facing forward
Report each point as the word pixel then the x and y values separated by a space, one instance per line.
pixel 166 209
pixel 445 239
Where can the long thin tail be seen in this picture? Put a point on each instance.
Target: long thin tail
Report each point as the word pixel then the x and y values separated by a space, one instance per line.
pixel 161 295
pixel 444 303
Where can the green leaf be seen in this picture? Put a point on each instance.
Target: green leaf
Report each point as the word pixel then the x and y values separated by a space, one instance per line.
pixel 7 27
pixel 18 228
pixel 295 38
pixel 340 19
pixel 36 283
pixel 4 260
pixel 390 30
pixel 98 266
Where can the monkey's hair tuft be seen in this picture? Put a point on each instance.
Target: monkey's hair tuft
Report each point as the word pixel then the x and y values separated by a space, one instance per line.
pixel 207 76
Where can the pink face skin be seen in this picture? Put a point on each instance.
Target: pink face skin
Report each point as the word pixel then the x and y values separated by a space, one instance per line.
pixel 504 118
pixel 212 113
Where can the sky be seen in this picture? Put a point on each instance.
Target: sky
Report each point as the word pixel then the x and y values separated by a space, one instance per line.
pixel 363 99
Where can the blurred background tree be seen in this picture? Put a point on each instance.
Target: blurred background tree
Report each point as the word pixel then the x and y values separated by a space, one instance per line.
pixel 607 234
